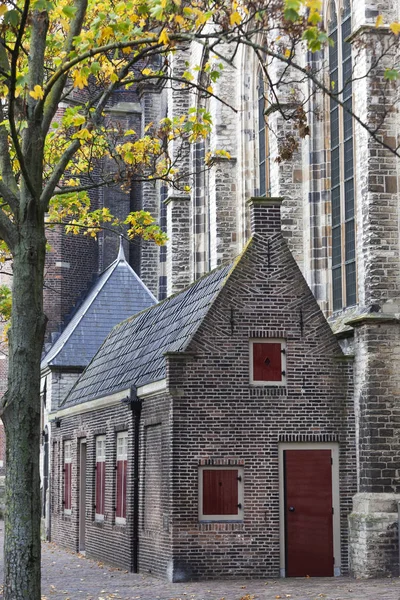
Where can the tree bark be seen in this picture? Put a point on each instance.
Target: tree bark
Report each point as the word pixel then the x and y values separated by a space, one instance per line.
pixel 22 413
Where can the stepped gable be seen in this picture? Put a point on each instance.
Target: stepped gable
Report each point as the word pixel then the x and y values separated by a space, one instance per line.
pixel 133 353
pixel 117 294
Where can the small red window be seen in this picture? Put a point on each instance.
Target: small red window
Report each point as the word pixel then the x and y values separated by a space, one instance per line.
pixel 267 362
pixel 220 492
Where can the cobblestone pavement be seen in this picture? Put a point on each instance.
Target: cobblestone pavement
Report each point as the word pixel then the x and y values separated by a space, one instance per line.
pixel 67 576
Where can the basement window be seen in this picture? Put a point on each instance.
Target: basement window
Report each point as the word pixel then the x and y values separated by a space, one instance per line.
pixel 268 362
pixel 221 493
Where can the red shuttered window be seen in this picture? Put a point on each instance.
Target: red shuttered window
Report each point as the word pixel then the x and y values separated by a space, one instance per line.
pixel 120 485
pixel 67 477
pixel 268 362
pixel 100 477
pixel 221 493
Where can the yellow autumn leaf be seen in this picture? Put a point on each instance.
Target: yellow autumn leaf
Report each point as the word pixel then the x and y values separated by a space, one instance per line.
pixel 395 27
pixel 287 53
pixel 37 93
pixel 3 9
pixel 82 134
pixel 163 39
pixel 314 5
pixel 146 71
pixel 379 21
pixel 80 80
pixel 235 18
pixel 210 89
pixel 179 19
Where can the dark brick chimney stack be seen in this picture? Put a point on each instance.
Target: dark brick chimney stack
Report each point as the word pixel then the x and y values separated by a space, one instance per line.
pixel 265 215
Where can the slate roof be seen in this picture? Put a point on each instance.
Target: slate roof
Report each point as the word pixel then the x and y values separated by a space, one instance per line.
pixel 133 353
pixel 117 294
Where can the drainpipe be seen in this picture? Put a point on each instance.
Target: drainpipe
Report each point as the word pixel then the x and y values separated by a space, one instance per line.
pixel 135 405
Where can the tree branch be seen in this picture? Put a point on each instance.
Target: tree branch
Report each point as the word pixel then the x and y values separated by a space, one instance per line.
pixel 54 96
pixel 58 171
pixel 6 170
pixel 11 105
pixel 8 231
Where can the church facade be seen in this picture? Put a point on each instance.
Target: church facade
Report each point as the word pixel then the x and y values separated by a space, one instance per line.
pixel 340 221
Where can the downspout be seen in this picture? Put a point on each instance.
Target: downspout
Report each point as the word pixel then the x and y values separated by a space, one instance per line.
pixel 136 408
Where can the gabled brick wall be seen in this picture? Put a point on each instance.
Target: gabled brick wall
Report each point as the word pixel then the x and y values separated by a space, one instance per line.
pixel 219 418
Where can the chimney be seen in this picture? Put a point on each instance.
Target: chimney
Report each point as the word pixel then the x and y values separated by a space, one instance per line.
pixel 265 215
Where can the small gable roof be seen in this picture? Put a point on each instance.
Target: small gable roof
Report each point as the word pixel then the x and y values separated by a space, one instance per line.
pixel 133 353
pixel 117 294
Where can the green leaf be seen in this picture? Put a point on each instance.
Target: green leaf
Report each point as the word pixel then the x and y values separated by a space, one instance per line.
pixel 69 11
pixel 95 67
pixel 392 74
pixel 11 18
pixel 290 14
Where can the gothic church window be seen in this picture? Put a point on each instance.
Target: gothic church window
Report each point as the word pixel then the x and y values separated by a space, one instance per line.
pixel 201 195
pixel 342 162
pixel 263 145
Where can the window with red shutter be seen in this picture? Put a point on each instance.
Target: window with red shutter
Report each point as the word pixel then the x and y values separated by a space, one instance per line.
pixel 67 477
pixel 221 493
pixel 120 484
pixel 268 362
pixel 100 477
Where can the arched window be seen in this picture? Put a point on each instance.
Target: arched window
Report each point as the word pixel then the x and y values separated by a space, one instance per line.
pixel 201 190
pixel 342 163
pixel 263 145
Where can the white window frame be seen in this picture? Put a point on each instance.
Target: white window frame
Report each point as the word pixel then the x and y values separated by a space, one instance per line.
pixel 122 454
pixel 258 382
pixel 100 457
pixel 239 517
pixel 67 460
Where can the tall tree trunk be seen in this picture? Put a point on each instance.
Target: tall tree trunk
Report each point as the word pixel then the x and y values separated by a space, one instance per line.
pixel 22 415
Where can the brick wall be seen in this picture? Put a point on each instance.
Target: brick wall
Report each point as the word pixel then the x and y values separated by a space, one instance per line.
pixel 155 476
pixel 104 540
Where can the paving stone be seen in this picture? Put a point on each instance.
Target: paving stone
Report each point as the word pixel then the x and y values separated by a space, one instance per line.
pixel 69 576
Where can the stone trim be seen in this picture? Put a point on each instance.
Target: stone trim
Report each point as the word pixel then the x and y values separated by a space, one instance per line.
pixel 367 29
pixel 176 199
pixel 372 319
pixel 265 201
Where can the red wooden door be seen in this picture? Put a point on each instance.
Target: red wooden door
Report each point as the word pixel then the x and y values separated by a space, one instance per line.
pixel 308 513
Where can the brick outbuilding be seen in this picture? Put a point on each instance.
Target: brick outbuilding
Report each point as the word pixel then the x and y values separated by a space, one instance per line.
pixel 213 434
